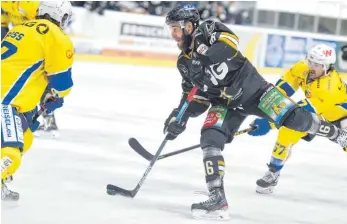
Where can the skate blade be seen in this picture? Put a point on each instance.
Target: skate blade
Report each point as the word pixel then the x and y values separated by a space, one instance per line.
pixel 9 204
pixel 46 134
pixel 267 190
pixel 214 215
pixel 10 201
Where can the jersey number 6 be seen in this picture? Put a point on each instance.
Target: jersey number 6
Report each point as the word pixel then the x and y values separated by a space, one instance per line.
pixel 11 49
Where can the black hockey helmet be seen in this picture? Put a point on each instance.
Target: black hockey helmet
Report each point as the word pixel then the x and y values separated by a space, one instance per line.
pixel 180 15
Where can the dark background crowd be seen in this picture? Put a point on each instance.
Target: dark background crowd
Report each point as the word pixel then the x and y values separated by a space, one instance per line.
pixel 231 12
pixel 234 12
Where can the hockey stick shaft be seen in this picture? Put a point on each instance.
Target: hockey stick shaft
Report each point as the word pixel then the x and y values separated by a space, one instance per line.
pixel 198 145
pixel 111 189
pixel 38 113
pixel 144 153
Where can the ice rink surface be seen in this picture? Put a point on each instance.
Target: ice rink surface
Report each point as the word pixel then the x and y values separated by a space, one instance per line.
pixel 63 181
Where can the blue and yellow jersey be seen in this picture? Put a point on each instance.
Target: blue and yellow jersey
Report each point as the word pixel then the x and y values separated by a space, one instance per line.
pixel 33 55
pixel 18 12
pixel 326 96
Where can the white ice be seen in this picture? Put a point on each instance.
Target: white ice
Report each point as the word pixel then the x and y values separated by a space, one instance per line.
pixel 63 181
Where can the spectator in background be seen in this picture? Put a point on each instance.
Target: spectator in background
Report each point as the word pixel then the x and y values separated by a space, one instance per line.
pixel 237 12
pixel 124 6
pixel 95 6
pixel 344 52
pixel 158 8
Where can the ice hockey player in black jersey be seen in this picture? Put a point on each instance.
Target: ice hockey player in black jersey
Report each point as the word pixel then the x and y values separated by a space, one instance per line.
pixel 229 83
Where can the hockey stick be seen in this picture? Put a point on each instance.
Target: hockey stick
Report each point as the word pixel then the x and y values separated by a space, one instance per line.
pixel 137 147
pixel 38 113
pixel 114 190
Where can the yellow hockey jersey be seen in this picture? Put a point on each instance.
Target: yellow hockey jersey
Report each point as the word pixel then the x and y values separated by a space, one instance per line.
pixel 327 95
pixel 17 12
pixel 33 55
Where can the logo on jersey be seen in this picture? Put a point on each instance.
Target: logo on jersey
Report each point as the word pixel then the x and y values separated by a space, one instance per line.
pixel 308 93
pixel 183 69
pixel 213 38
pixel 69 54
pixel 42 28
pixel 202 49
pixel 210 27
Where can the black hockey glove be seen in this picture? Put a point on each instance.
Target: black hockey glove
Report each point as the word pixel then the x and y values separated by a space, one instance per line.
pixel 172 127
pixel 198 75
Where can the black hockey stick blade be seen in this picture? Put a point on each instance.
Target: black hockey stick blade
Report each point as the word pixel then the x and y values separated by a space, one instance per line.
pixel 114 190
pixel 134 144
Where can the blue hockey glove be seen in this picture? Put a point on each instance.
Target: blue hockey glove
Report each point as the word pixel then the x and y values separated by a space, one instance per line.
pixel 263 127
pixel 51 101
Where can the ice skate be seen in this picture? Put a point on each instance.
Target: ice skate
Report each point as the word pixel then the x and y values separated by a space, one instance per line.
pixel 7 194
pixel 216 207
pixel 49 126
pixel 267 183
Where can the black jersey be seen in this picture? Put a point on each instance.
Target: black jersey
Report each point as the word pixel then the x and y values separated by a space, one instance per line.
pixel 217 47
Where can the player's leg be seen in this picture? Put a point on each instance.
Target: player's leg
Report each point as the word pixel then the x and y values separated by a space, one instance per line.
pixel 218 129
pixel 13 143
pixel 284 112
pixel 286 139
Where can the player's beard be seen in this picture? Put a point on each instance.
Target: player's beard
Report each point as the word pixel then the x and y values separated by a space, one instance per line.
pixel 179 44
pixel 314 74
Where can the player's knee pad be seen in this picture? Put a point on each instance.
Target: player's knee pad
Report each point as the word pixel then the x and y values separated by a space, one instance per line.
pixel 11 128
pixel 213 137
pixel 28 140
pixel 214 166
pixel 304 121
pixel 299 119
pixel 10 161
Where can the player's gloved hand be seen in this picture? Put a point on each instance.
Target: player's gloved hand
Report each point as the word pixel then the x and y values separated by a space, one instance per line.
pixel 263 127
pixel 172 127
pixel 51 101
pixel 198 76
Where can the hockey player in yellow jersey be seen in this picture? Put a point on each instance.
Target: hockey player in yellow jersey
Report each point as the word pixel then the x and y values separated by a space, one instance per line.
pixel 36 61
pixel 325 94
pixel 14 13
